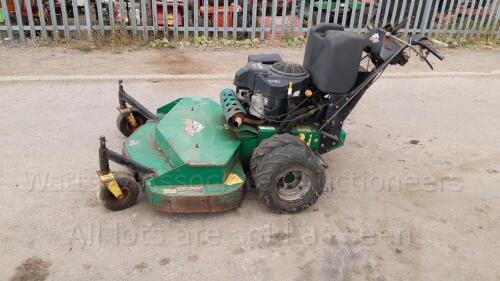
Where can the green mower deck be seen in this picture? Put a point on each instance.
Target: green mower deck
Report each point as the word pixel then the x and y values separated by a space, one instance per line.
pixel 188 158
pixel 195 157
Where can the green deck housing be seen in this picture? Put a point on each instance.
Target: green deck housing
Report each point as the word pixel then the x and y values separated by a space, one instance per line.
pixel 198 159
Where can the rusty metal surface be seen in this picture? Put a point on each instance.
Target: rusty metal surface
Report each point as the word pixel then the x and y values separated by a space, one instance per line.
pixel 200 204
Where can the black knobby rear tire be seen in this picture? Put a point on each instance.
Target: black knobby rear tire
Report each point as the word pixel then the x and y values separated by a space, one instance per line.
pixel 123 124
pixel 306 185
pixel 129 188
pixel 268 145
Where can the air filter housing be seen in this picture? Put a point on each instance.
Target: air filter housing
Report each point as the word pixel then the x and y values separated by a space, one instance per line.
pixel 289 69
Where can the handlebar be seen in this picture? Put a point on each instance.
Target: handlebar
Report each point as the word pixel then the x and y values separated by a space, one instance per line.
pixel 421 41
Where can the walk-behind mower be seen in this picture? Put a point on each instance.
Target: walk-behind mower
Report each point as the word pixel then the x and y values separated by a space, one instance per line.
pixel 195 155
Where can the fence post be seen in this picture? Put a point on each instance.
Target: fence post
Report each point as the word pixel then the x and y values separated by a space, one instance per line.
pixel 245 16
pixel 353 15
pixel 175 12
pixel 7 19
pixel 235 19
pixel 263 19
pixel 319 13
pixel 165 18
pixel 65 19
pixel 455 18
pixel 88 19
pixel 185 9
pixel 53 19
pixel 302 11
pixel 403 10
pixel 486 6
pixel 144 19
pixel 205 17
pixel 462 18
pixel 337 10
pixel 273 18
pixel 476 18
pixel 309 19
pixel 344 13
pixel 195 17
pixel 154 14
pixel 467 26
pixel 41 15
pixel 224 19
pixel 438 29
pixel 497 17
pixel 410 12
pixel 254 18
pixel 19 17
pixel 394 12
pixel 328 11
pixel 417 17
pixel 361 16
pixel 133 22
pixel 99 18
pixel 492 13
pixel 30 19
pixel 123 16
pixel 76 18
pixel 292 16
pixel 111 11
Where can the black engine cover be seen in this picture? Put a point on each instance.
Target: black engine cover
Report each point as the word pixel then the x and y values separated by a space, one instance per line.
pixel 271 82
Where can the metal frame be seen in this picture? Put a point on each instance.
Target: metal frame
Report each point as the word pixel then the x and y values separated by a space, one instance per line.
pixel 106 155
pixel 124 98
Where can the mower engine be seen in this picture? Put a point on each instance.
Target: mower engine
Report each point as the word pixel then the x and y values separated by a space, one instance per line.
pixel 269 87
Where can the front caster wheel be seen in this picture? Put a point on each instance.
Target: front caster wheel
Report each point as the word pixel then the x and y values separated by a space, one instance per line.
pixel 127 124
pixel 130 191
pixel 290 178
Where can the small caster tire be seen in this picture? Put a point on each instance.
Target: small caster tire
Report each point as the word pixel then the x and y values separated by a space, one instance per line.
pixel 129 188
pixel 123 124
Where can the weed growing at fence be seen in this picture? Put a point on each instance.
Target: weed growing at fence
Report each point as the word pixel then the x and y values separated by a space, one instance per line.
pixel 487 41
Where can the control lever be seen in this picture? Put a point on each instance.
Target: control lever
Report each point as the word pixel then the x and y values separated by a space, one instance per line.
pixel 420 40
pixel 422 56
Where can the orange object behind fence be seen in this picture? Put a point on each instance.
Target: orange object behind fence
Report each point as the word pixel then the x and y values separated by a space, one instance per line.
pixel 220 16
pixel 287 29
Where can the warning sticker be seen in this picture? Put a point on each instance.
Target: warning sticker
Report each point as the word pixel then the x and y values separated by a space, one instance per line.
pixel 197 188
pixel 193 127
pixel 233 179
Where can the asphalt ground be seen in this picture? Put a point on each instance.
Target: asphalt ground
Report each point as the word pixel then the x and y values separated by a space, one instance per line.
pixel 413 194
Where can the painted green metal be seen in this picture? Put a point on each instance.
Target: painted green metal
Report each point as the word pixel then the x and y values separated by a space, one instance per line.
pixel 199 161
pixel 307 134
pixel 193 153
pixel 224 193
pixel 166 108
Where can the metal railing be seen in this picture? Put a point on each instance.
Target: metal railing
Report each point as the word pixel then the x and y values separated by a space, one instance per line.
pixel 237 19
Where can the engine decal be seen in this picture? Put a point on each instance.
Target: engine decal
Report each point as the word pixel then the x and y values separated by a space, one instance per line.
pixel 193 127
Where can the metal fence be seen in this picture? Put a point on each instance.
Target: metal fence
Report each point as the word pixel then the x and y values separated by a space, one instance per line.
pixel 238 19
